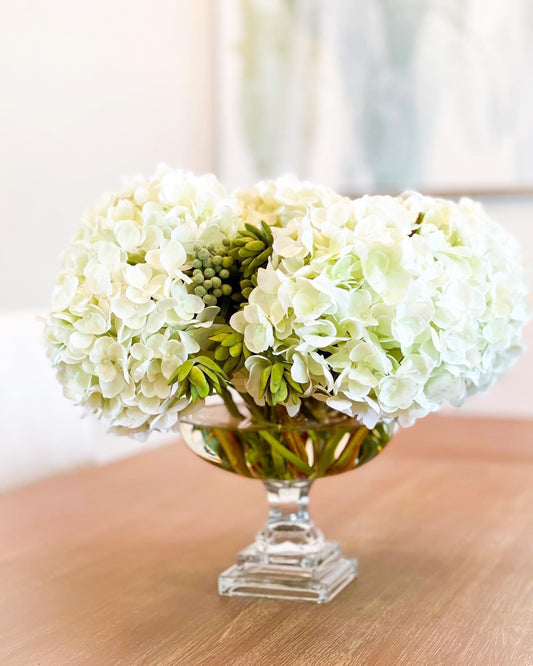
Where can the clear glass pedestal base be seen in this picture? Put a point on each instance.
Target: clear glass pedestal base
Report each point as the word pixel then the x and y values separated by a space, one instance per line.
pixel 287 581
pixel 290 558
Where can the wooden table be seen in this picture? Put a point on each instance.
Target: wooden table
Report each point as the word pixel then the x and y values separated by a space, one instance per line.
pixel 119 564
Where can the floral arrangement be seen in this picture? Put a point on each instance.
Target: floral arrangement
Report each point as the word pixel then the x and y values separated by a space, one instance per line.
pixel 289 295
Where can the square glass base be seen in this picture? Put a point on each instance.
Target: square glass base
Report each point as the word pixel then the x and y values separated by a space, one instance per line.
pixel 317 578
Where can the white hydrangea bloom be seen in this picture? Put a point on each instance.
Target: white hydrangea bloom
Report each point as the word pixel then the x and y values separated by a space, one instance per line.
pixel 382 307
pixel 278 201
pixel 386 307
pixel 124 316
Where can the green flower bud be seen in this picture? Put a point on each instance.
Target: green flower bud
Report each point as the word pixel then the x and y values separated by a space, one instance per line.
pixel 276 377
pixel 208 284
pixel 255 246
pixel 221 353
pixel 183 371
pixel 227 262
pixel 197 247
pixel 203 254
pixel 200 291
pixel 231 338
pixel 197 378
pixel 224 274
pixel 217 260
pixel 263 380
pixel 281 394
pixel 226 289
pixel 209 273
pixel 261 258
pixel 198 278
pixel 215 281
pixel 209 299
pixel 236 350
pixel 230 364
pixel 217 293
pixel 246 292
pixel 207 263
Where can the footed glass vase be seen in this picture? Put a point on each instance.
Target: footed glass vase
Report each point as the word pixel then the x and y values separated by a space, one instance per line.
pixel 289 559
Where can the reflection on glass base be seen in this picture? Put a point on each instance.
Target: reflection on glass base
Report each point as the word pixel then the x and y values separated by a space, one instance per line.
pixel 318 577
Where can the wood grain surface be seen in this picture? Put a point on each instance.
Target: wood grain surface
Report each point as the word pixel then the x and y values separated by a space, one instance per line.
pixel 119 565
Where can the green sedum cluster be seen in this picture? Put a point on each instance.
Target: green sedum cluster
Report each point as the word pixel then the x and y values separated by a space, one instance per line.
pixel 251 250
pixel 212 272
pixel 230 350
pixel 277 386
pixel 199 377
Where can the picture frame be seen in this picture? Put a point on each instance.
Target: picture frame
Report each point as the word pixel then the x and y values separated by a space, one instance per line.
pixel 375 97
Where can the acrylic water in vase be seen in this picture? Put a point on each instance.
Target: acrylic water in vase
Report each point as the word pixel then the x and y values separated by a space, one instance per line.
pixel 319 321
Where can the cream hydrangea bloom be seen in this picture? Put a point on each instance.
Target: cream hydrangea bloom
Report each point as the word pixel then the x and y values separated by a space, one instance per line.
pixel 382 307
pixel 124 315
pixel 385 307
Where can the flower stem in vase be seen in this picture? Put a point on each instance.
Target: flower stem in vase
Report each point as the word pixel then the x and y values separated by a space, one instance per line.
pixel 233 450
pixel 327 456
pixel 348 457
pixel 294 442
pixel 284 452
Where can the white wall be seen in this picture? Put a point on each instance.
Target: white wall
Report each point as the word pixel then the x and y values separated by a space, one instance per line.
pixel 91 91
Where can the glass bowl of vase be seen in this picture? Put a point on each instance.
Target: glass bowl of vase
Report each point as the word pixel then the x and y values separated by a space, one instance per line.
pixel 290 557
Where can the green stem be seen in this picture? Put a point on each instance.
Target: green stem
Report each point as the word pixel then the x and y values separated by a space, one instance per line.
pixel 306 411
pixel 293 439
pixel 328 452
pixel 295 443
pixel 285 453
pixel 252 456
pixel 347 458
pixel 280 466
pixel 230 403
pixel 233 450
pixel 255 410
